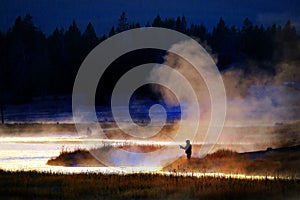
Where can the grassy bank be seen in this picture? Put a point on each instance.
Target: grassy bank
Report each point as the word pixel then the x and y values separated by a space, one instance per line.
pixel 282 162
pixel 34 185
pixel 83 157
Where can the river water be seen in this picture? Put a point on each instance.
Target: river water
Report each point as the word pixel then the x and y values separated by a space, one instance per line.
pixel 32 153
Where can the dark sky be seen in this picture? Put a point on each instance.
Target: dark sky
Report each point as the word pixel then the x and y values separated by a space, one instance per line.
pixel 48 14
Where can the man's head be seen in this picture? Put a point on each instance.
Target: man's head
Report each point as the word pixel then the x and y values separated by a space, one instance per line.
pixel 187 141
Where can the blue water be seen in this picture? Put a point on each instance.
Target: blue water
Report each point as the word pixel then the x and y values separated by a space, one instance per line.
pixel 59 109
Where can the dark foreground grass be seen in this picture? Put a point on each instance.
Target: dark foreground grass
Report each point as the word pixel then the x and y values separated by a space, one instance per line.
pixel 34 185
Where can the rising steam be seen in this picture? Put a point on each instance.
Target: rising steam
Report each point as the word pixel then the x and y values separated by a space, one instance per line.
pixel 254 99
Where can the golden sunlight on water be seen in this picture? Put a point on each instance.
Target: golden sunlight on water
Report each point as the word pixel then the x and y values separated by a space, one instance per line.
pixel 32 153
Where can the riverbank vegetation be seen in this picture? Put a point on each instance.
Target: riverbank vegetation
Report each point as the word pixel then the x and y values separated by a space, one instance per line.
pixel 35 185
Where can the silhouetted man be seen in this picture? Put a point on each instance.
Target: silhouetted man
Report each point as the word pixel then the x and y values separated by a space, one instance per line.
pixel 187 148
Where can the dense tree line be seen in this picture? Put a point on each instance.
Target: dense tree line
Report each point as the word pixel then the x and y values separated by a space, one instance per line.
pixel 33 64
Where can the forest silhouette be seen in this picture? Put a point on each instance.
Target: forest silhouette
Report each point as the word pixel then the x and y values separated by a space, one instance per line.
pixel 33 64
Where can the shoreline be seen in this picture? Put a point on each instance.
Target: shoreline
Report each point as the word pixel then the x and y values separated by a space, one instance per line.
pixel 282 162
